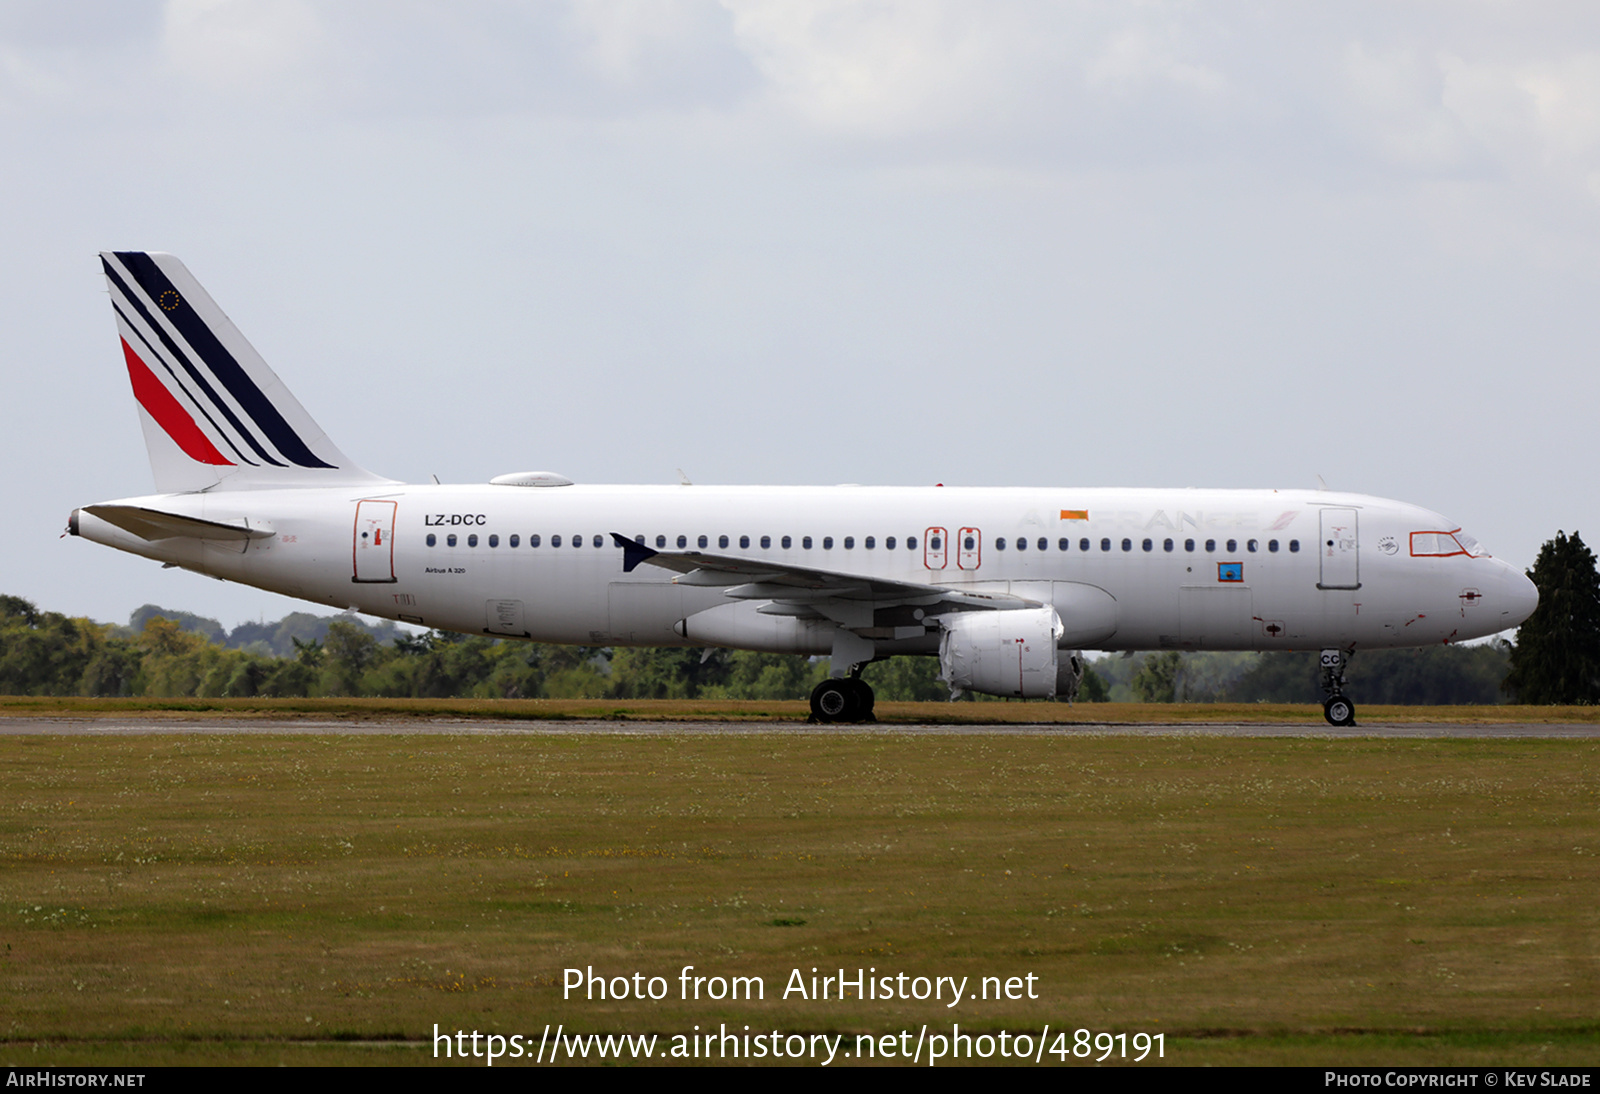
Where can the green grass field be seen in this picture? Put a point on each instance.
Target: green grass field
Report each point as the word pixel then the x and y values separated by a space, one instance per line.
pixel 329 899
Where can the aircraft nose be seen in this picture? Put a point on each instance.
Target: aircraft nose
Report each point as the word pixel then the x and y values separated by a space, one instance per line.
pixel 1518 597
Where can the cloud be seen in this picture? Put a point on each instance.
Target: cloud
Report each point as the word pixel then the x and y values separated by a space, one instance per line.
pixel 241 45
pixel 884 67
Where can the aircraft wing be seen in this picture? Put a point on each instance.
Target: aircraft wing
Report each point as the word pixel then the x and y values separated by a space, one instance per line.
pixel 801 590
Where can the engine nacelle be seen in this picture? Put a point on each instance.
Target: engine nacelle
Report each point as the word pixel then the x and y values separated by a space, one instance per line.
pixel 1001 653
pixel 1069 674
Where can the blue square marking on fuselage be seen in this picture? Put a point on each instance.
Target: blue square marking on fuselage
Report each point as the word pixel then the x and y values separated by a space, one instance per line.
pixel 1230 571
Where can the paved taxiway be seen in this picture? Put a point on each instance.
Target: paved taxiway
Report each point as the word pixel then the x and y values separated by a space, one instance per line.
pixel 113 726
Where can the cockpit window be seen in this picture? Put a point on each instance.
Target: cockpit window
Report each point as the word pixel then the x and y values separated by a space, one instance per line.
pixel 1444 544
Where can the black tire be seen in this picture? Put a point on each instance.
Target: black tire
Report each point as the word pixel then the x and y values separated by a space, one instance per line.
pixel 834 701
pixel 1339 711
pixel 864 699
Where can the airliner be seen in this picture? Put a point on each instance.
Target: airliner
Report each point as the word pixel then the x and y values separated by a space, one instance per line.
pixel 1003 586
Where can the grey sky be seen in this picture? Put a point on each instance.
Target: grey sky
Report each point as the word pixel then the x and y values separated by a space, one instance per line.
pixel 1098 244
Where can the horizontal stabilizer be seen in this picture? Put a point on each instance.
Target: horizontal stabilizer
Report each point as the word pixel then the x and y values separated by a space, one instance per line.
pixel 152 524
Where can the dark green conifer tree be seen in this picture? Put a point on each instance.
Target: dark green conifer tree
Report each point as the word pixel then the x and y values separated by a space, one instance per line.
pixel 1557 655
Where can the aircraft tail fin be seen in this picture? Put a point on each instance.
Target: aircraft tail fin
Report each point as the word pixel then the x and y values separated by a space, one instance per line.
pixel 214 414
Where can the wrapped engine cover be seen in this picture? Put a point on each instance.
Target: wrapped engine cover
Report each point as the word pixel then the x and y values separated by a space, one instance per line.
pixel 1001 653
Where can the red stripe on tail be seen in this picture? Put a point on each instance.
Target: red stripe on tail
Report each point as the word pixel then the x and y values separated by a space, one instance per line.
pixel 168 413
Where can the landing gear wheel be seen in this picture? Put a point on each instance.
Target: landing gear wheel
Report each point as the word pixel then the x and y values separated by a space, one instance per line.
pixel 864 699
pixel 1339 711
pixel 834 701
pixel 846 700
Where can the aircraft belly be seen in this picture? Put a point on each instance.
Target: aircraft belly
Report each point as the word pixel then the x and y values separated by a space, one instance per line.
pixel 563 598
pixel 1216 617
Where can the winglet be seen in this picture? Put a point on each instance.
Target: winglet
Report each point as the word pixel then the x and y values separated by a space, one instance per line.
pixel 632 553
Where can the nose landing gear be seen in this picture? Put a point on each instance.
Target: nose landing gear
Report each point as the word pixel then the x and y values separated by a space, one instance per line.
pixel 1337 709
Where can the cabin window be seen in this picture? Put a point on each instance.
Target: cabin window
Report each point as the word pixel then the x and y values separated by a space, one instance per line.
pixel 1083 545
pixel 1294 546
pixel 599 541
pixel 911 543
pixel 827 543
pixel 683 541
pixel 1147 544
pixel 1105 545
pixel 704 541
pixel 1211 546
pixel 494 540
pixel 849 543
pixel 1166 545
pixel 661 541
pixel 577 540
pixel 472 540
pixel 786 542
pixel 766 542
pixel 1251 546
pixel 555 541
pixel 433 540
pixel 744 542
pixel 869 543
pixel 515 541
pixel 450 540
pixel 970 544
pixel 888 544
pixel 1022 543
pixel 1127 545
pixel 533 541
pixel 805 542
pixel 1044 544
pixel 1233 546
pixel 722 542
pixel 1188 545
pixel 1272 545
pixel 999 544
pixel 639 539
pixel 934 543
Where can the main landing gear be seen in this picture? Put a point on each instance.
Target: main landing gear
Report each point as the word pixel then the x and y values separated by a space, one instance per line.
pixel 1337 709
pixel 847 699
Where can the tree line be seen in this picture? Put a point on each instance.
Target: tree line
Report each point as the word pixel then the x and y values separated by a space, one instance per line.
pixel 164 653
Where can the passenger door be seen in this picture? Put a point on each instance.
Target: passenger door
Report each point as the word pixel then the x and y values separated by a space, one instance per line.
pixel 1338 549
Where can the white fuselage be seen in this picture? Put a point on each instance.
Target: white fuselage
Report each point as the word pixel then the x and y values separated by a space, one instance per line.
pixel 1125 569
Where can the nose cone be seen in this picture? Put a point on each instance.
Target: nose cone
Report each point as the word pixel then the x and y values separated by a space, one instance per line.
pixel 1518 598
